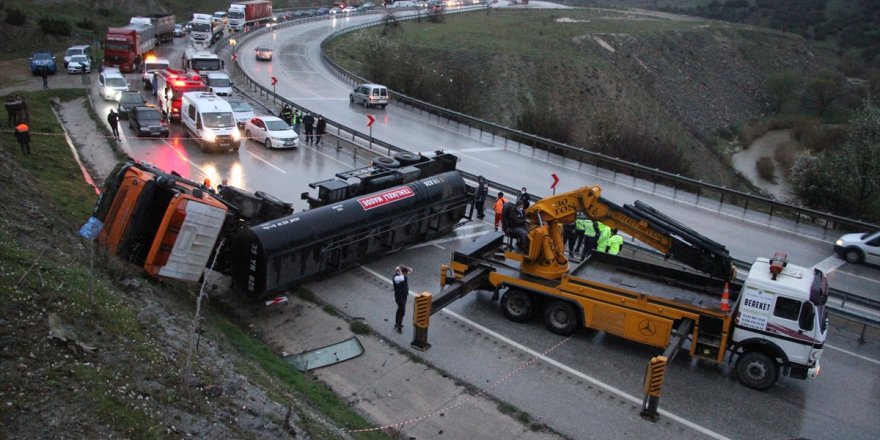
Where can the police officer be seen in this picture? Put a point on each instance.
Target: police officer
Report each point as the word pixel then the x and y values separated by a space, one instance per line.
pixel 591 237
pixel 480 197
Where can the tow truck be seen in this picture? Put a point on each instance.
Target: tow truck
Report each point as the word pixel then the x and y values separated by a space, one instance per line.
pixel 774 323
pixel 171 84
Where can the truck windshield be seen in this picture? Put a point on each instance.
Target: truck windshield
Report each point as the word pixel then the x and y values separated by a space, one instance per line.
pixel 236 15
pixel 205 65
pixel 201 27
pixel 119 45
pixel 218 120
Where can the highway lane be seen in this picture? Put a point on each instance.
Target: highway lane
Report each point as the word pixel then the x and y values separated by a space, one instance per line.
pixel 304 79
pixel 583 386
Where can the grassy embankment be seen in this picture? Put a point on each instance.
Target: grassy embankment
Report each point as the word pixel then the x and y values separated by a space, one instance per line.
pixel 44 270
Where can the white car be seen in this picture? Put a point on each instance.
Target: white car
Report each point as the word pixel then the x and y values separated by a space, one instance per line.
pixel 271 131
pixel 111 83
pixel 859 248
pixel 79 64
pixel 241 111
pixel 349 10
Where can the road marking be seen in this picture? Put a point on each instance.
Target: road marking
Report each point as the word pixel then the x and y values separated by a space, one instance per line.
pixel 461 152
pixel 566 368
pixel 480 149
pixel 829 264
pixel 265 161
pixel 864 358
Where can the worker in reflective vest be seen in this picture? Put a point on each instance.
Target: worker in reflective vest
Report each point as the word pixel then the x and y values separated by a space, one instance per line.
pixel 614 243
pixel 604 235
pixel 591 237
pixel 500 201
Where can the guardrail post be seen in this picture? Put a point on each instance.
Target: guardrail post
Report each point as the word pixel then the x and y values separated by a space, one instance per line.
pixel 721 202
pixel 745 207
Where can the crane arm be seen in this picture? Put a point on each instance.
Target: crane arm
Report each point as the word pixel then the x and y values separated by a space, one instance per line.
pixel 641 221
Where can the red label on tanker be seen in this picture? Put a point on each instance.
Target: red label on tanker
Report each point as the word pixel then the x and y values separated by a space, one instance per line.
pixel 385 197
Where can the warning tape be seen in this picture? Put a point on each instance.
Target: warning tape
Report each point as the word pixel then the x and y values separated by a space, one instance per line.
pixel 100 136
pixel 482 392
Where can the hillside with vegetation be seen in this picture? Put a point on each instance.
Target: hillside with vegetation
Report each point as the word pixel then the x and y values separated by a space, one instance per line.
pixel 673 92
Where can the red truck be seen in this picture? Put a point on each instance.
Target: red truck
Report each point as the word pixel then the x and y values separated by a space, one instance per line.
pixel 249 13
pixel 163 24
pixel 124 45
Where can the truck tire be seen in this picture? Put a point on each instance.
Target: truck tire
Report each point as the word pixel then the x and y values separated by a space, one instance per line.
pixel 517 305
pixel 853 255
pixel 386 162
pixel 756 370
pixel 406 158
pixel 561 317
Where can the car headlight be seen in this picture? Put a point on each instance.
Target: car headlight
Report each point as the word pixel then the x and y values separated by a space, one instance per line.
pixel 210 136
pixel 839 242
pixel 236 135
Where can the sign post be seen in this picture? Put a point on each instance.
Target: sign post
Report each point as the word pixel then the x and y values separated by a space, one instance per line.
pixel 274 81
pixel 370 126
pixel 555 181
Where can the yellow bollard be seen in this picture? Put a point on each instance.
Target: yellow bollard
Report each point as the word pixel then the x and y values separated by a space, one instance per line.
pixel 421 317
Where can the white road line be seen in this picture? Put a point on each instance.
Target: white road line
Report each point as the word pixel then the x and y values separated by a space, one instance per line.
pixel 566 368
pixel 266 162
pixel 829 264
pixel 864 358
pixel 480 149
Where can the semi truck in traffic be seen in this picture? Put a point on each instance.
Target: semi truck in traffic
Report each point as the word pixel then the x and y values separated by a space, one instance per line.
pixel 163 26
pixel 205 30
pixel 249 13
pixel 123 46
pixel 770 324
pixel 202 61
pixel 173 227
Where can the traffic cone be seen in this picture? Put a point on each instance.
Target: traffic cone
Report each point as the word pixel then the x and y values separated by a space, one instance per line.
pixel 725 299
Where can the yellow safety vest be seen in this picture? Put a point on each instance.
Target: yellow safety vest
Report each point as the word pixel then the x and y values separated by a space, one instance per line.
pixel 614 244
pixel 604 235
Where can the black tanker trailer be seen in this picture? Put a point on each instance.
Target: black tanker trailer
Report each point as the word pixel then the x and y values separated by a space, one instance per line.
pixel 285 252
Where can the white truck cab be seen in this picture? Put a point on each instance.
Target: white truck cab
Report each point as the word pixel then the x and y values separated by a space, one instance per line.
pixel 780 322
pixel 218 83
pixel 210 120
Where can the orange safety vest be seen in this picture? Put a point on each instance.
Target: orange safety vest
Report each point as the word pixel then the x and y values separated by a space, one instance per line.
pixel 499 205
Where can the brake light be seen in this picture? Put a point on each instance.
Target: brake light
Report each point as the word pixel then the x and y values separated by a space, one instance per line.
pixel 180 83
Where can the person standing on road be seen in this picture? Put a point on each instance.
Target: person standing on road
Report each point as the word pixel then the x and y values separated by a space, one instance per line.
pixel 320 129
pixel 24 115
pixel 45 75
pixel 401 293
pixel 12 105
pixel 480 197
pixel 287 115
pixel 499 209
pixel 113 120
pixel 23 136
pixel 297 121
pixel 524 197
pixel 309 124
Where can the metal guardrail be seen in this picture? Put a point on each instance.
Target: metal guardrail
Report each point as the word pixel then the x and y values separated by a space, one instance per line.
pixel 564 152
pixel 379 147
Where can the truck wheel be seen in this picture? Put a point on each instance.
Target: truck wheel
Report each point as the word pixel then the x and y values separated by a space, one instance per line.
pixel 407 158
pixel 517 306
pixel 853 255
pixel 386 162
pixel 756 370
pixel 561 317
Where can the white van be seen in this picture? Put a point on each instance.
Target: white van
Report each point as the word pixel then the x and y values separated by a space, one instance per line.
pixel 210 120
pixel 369 94
pixel 111 83
pixel 219 83
pixel 73 51
pixel 859 248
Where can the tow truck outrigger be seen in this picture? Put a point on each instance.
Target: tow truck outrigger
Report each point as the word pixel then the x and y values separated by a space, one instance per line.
pixel 775 322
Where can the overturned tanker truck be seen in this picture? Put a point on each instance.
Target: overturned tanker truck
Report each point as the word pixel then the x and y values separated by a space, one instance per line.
pixel 175 228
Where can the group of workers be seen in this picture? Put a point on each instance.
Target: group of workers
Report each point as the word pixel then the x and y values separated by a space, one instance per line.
pixel 582 237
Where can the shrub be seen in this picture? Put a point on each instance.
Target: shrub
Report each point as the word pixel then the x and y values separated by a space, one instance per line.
pixel 15 17
pixel 766 169
pixel 104 12
pixel 785 155
pixel 359 328
pixel 86 23
pixel 54 26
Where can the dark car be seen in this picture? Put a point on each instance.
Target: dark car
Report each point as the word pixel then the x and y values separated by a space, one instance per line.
pixel 323 11
pixel 147 121
pixel 43 61
pixel 128 101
